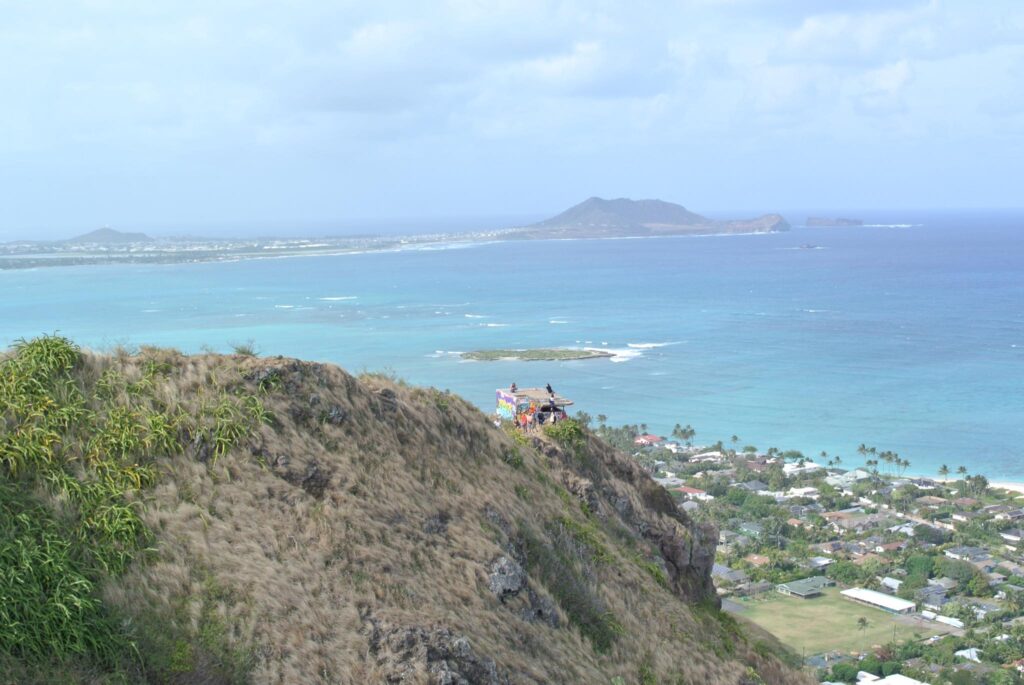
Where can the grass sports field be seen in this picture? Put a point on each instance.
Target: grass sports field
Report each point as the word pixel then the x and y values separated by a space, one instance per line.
pixel 829 622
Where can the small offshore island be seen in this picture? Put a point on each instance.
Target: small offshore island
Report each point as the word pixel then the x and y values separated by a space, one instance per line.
pixel 535 355
pixel 830 222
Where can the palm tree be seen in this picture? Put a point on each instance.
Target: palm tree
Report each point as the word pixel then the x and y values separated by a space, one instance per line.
pixel 735 439
pixel 962 471
pixel 684 433
pixel 862 624
pixel 838 460
pixel 943 472
pixel 886 457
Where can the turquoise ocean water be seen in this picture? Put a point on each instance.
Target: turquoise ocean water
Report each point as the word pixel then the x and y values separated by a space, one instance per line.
pixel 908 338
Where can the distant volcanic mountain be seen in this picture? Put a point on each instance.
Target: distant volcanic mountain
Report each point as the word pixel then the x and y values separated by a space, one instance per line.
pixel 625 213
pixel 109 235
pixel 600 218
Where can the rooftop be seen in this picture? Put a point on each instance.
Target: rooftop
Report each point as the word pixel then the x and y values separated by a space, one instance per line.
pixel 878 599
pixel 805 587
pixel 894 679
pixel 538 395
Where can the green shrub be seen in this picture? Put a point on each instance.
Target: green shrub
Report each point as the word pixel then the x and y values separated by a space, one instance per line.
pixel 513 457
pixel 49 608
pixel 93 447
pixel 581 604
pixel 244 349
pixel 653 569
pixel 588 536
pixel 567 433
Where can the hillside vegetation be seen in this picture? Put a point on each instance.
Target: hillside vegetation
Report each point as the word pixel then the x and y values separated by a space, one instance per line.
pixel 231 519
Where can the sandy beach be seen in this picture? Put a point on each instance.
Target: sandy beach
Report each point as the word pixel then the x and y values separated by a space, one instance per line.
pixel 1014 487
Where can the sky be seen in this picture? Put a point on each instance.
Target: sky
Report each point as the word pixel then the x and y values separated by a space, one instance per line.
pixel 190 114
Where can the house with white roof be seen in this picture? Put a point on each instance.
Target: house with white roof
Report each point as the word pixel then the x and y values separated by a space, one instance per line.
pixel 878 600
pixel 796 468
pixel 894 679
pixel 970 654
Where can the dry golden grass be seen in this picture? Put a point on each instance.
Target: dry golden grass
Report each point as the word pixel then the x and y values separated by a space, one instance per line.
pixel 280 561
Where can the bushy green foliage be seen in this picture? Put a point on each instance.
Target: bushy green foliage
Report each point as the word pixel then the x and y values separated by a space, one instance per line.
pixel 93 447
pixel 588 536
pixel 579 601
pixel 845 672
pixel 653 569
pixel 513 457
pixel 567 433
pixel 48 606
pixel 845 572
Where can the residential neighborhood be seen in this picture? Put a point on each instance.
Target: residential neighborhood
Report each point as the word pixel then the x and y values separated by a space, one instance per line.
pixel 868 574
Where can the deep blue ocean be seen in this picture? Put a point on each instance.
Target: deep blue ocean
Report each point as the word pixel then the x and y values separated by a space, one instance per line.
pixel 908 338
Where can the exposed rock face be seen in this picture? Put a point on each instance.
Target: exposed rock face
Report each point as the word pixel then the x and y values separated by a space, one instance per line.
pixel 689 557
pixel 769 223
pixel 314 480
pixel 540 610
pixel 414 654
pixel 507 578
pixel 335 415
pixel 686 548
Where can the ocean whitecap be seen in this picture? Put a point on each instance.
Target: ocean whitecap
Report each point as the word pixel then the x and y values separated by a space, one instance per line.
pixel 619 354
pixel 650 345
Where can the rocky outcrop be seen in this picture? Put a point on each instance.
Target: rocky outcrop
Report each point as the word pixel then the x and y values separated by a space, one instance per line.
pixel 689 555
pixel 609 484
pixel 507 578
pixel 769 223
pixel 436 655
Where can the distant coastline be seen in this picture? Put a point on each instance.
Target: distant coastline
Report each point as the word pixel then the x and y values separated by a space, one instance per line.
pixel 593 219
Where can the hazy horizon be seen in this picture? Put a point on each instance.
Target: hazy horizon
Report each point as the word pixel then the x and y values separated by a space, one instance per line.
pixel 384 226
pixel 195 116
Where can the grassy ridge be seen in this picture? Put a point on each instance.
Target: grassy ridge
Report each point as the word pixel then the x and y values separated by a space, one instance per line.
pixel 222 519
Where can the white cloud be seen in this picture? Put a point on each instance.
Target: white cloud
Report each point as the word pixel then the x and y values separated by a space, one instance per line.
pixel 883 90
pixel 516 83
